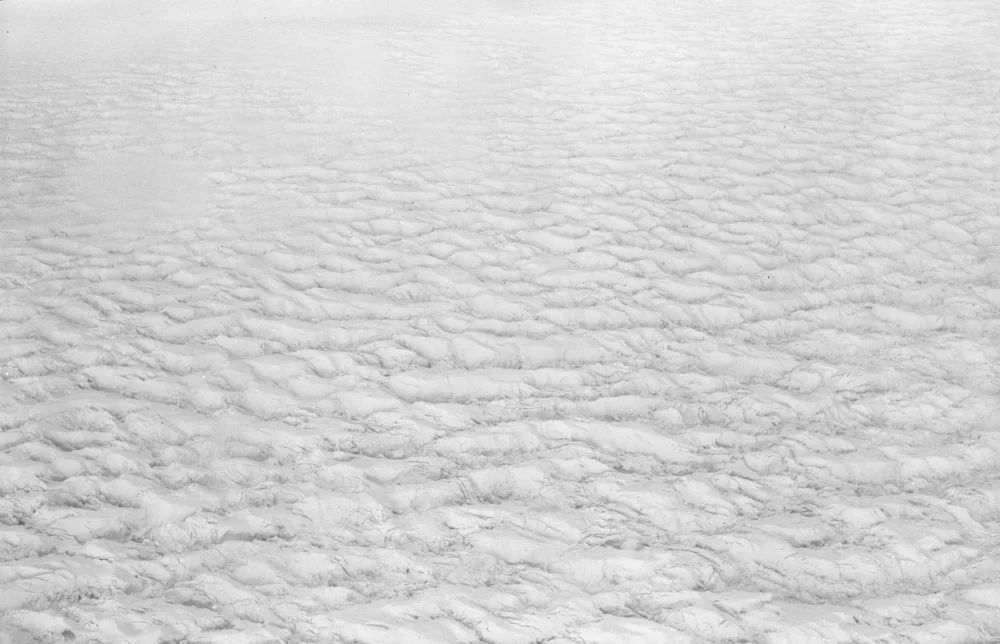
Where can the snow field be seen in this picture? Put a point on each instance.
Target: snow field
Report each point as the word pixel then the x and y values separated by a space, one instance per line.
pixel 499 322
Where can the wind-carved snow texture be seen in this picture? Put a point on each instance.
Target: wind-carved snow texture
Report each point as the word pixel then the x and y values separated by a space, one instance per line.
pixel 512 322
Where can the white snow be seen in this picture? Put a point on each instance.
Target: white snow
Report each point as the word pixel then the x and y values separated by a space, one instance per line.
pixel 499 321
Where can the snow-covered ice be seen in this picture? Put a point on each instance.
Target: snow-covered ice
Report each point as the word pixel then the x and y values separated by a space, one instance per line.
pixel 499 321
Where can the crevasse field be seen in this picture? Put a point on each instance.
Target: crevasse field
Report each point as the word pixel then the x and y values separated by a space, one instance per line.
pixel 548 321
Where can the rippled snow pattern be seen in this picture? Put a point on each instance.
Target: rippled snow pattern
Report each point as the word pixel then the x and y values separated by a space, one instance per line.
pixel 510 322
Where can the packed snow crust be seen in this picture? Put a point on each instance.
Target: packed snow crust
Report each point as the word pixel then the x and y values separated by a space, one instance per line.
pixel 500 321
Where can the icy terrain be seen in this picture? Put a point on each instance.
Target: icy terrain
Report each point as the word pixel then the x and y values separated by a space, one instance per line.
pixel 500 321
